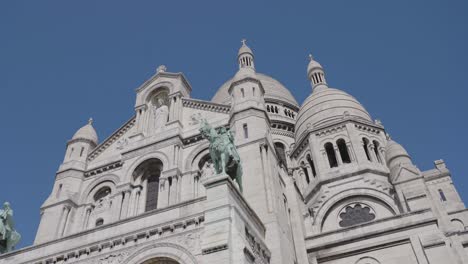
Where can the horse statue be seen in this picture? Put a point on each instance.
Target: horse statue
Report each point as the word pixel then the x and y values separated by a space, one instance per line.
pixel 8 235
pixel 223 152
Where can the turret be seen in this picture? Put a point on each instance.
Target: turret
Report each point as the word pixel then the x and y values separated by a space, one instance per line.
pixel 316 75
pixel 84 140
pixel 246 90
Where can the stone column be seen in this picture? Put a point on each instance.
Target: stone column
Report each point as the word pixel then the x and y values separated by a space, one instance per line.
pixel 163 193
pixel 131 203
pixel 88 211
pixel 143 194
pixel 123 211
pixel 64 220
pixel 116 206
pixel 338 155
pixel 352 154
pixel 371 149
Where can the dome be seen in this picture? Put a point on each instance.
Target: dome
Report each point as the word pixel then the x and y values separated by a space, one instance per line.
pixel 313 64
pixel 274 90
pixel 87 132
pixel 395 150
pixel 244 49
pixel 326 106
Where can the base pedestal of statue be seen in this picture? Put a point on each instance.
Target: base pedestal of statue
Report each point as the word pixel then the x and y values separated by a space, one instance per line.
pixel 233 231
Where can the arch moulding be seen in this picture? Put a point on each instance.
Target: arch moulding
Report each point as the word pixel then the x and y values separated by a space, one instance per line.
pixel 154 155
pixel 161 250
pixel 198 151
pixel 341 196
pixel 110 180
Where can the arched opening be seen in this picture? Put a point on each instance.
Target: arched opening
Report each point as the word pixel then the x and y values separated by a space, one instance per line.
pixel 343 150
pixel 331 155
pixel 281 152
pixel 101 193
pixel 306 173
pixel 160 261
pixel 99 222
pixel 150 172
pixel 376 150
pixel 365 144
pixel 312 165
pixel 246 131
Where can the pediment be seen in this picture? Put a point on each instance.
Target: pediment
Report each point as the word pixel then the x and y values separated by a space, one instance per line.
pixel 114 143
pixel 406 173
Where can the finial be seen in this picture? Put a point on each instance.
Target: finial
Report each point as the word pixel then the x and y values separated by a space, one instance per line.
pixel 161 68
pixel 243 42
pixel 311 57
pixel 90 121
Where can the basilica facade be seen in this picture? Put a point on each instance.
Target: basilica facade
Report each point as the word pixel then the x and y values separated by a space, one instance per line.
pixel 322 183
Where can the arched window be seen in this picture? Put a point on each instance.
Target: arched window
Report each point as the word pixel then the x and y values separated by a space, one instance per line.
pixel 331 155
pixel 243 93
pixel 306 173
pixel 442 195
pixel 365 144
pixel 246 131
pixel 343 150
pixel 152 192
pixel 376 150
pixel 276 109
pixel 281 151
pixel 150 172
pixel 103 192
pixel 253 91
pixel 268 108
pixel 312 166
pixel 99 222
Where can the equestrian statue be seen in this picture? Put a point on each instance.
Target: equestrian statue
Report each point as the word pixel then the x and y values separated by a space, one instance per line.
pixel 223 152
pixel 8 235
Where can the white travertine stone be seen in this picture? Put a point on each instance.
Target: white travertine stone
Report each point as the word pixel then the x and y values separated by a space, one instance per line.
pixel 145 195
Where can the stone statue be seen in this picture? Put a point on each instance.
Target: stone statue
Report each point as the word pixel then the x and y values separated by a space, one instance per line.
pixel 8 235
pixel 161 114
pixel 223 152
pixel 207 170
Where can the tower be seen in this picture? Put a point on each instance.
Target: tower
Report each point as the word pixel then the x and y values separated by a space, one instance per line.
pixel 59 211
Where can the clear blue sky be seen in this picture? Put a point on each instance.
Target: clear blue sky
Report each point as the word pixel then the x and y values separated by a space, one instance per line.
pixel 62 62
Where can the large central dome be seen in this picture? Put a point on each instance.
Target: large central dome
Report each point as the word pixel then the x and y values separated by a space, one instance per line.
pixel 274 91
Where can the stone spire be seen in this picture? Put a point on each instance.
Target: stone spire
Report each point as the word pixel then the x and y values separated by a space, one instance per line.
pixel 245 56
pixel 316 74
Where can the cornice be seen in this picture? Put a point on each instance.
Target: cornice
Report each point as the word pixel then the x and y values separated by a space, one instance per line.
pixel 206 106
pixel 111 139
pixel 104 168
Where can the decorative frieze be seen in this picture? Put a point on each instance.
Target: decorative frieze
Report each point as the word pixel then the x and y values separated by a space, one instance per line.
pixel 184 232
pixel 368 129
pixel 206 106
pixel 330 130
pixel 105 168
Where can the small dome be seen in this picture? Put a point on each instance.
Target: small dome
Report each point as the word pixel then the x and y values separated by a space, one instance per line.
pixel 313 64
pixel 244 49
pixel 87 132
pixel 327 106
pixel 274 90
pixel 395 150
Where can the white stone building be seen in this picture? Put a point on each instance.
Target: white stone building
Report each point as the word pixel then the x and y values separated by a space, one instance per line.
pixel 323 183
